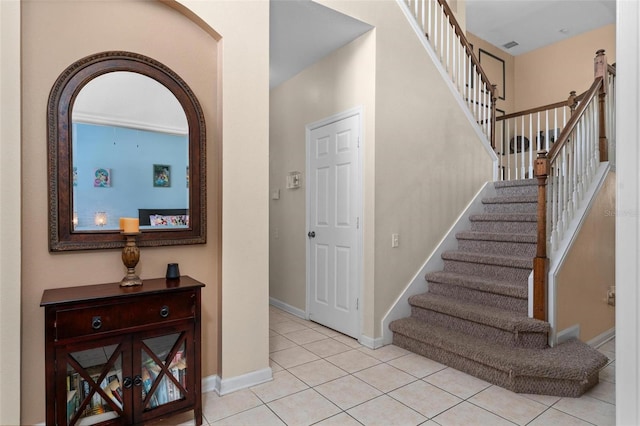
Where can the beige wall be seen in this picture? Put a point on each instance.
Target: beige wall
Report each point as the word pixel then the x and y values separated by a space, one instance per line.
pixel 244 67
pixel 459 9
pixel 493 68
pixel 589 270
pixel 548 74
pixel 420 137
pixel 342 81
pixel 10 212
pixel 50 43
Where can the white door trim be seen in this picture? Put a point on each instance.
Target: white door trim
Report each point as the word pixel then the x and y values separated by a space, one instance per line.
pixel 357 111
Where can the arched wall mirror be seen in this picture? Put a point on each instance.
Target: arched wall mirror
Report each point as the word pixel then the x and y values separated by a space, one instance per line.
pixel 126 138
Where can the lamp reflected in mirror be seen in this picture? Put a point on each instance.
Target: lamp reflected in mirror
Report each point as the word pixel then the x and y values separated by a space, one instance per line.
pixel 100 219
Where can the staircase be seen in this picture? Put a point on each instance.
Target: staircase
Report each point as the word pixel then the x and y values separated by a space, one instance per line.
pixel 474 316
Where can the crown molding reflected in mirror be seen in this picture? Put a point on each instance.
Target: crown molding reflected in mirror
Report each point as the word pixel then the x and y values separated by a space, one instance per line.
pixel 63 234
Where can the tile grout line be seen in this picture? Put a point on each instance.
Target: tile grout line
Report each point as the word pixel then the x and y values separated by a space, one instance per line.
pixel 316 327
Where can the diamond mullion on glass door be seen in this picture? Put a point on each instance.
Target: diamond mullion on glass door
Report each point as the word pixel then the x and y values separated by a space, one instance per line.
pixel 93 382
pixel 157 354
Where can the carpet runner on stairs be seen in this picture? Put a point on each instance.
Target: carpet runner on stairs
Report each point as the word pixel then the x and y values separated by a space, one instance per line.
pixel 474 315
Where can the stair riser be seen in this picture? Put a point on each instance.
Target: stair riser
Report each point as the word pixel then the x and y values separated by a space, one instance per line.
pixel 504 227
pixel 481 297
pixel 502 337
pixel 511 207
pixel 509 191
pixel 541 386
pixel 504 273
pixel 498 247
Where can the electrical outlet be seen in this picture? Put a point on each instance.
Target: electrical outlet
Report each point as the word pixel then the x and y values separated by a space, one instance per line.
pixel 394 240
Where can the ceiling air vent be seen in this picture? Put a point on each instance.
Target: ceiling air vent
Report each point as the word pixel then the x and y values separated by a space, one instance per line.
pixel 510 44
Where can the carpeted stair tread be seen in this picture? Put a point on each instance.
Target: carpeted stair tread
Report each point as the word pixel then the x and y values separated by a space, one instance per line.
pixel 503 217
pixel 489 259
pixel 480 314
pixel 530 238
pixel 572 360
pixel 512 183
pixel 505 288
pixel 505 199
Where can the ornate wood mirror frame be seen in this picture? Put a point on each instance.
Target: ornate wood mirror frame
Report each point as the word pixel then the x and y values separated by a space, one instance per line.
pixel 62 236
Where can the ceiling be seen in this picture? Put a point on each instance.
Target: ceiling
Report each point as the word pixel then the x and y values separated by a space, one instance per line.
pixel 535 23
pixel 303 32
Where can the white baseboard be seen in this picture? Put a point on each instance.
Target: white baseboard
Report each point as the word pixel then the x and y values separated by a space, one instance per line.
pixel 602 338
pixel 568 333
pixel 232 384
pixel 288 308
pixel 370 342
pixel 210 383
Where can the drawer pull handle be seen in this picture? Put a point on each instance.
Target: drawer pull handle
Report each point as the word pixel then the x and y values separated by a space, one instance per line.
pixel 137 380
pixel 164 311
pixel 96 323
pixel 127 382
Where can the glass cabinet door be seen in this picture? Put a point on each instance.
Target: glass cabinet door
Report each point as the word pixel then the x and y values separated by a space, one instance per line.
pixel 164 368
pixel 94 384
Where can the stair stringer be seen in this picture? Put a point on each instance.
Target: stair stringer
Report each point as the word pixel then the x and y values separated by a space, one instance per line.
pixel 558 256
pixel 434 262
pixel 456 94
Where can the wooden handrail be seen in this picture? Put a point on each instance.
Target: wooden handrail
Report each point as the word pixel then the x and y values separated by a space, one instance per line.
pixel 568 103
pixel 467 46
pixel 571 124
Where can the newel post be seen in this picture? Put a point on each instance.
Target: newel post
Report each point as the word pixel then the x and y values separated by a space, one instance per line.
pixel 540 262
pixel 601 70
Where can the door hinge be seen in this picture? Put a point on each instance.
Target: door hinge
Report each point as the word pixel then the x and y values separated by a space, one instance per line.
pixel 357 222
pixel 357 304
pixel 358 141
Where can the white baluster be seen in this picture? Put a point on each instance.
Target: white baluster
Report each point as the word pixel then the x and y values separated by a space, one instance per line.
pixel 547 142
pixel 429 19
pixel 448 65
pixel 553 180
pixel 522 150
pixel 507 151
pixel 531 142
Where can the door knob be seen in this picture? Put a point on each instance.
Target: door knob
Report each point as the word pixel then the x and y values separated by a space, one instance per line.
pixel 311 234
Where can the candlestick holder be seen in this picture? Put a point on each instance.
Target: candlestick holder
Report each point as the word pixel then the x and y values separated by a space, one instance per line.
pixel 130 258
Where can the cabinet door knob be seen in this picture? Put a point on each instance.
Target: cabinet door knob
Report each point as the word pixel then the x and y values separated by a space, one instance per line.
pixel 164 311
pixel 96 323
pixel 127 382
pixel 137 380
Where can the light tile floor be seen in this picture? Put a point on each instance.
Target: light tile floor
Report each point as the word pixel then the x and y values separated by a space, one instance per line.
pixel 321 377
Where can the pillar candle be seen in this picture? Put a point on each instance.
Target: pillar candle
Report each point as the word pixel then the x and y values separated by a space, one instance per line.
pixel 130 225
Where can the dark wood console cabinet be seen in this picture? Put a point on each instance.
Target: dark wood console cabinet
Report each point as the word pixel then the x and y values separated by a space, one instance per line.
pixel 122 355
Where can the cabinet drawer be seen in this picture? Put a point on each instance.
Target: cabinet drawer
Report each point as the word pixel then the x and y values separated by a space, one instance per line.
pixel 135 312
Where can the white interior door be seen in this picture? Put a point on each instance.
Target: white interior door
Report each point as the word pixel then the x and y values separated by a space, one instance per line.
pixel 333 188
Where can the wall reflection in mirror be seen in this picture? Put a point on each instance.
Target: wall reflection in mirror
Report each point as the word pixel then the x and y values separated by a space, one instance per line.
pixel 130 151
